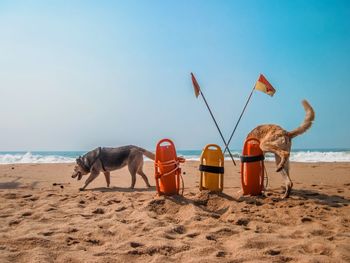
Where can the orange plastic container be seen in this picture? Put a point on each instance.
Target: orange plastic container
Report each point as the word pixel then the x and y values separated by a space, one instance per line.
pixel 167 168
pixel 252 167
pixel 212 168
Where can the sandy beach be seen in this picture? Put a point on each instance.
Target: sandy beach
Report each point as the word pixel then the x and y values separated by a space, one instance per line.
pixel 44 218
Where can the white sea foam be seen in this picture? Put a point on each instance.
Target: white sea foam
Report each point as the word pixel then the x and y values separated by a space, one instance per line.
pixel 33 158
pixel 312 156
pixel 298 156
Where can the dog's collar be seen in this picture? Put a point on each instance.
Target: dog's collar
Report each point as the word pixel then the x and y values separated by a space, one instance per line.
pixel 86 168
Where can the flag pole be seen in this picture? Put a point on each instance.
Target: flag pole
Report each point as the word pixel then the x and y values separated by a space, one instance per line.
pixel 217 126
pixel 239 119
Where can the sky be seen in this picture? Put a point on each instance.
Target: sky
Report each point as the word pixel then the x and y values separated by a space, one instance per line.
pixel 79 74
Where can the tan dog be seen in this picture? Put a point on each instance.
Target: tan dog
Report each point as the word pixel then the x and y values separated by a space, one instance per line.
pixel 279 141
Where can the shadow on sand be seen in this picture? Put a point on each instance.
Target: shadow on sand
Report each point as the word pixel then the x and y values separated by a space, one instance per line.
pixel 14 184
pixel 122 189
pixel 321 198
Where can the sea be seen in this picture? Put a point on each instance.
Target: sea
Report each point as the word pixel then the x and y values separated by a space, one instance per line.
pixel 304 155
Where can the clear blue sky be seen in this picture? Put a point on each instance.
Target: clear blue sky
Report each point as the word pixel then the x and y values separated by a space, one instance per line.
pixel 80 74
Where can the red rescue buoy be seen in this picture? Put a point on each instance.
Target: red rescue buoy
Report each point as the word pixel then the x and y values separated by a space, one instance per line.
pixel 252 167
pixel 167 168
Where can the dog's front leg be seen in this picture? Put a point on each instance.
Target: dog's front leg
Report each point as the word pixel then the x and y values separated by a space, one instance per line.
pixel 108 178
pixel 92 177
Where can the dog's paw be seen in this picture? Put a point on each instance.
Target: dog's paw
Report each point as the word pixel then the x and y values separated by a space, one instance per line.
pixel 285 196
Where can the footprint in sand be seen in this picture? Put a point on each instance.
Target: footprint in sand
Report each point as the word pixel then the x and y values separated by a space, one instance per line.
pixel 113 201
pixel 98 211
pixel 34 198
pixel 72 230
pixel 192 235
pixel 50 209
pixel 94 242
pixel 164 250
pixel 256 244
pixel 242 221
pixel 210 237
pixel 71 241
pixel 136 244
pixel 321 232
pixel 176 230
pixel 10 196
pixel 220 254
pixel 180 229
pixel 14 222
pixel 120 208
pixel 47 233
pixel 27 213
pixel 272 252
pixel 306 219
pixel 221 233
pixel 317 249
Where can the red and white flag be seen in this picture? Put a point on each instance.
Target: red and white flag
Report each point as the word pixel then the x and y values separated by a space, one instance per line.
pixel 263 85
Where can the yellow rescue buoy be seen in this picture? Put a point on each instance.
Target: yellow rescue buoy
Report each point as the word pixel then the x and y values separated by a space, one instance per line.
pixel 212 168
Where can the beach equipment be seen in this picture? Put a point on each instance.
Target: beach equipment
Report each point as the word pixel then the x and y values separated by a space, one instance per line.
pixel 262 84
pixel 252 167
pixel 197 92
pixel 211 168
pixel 167 168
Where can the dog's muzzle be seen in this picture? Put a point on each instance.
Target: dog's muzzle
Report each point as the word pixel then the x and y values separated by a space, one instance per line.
pixel 79 174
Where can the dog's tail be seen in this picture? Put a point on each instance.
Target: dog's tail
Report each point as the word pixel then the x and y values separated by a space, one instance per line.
pixel 309 118
pixel 148 154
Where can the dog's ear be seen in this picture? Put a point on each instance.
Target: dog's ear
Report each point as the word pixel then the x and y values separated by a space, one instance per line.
pixel 79 161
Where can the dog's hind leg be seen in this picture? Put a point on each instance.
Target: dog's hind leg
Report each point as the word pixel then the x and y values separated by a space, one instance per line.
pixel 108 178
pixel 282 154
pixel 92 177
pixel 140 171
pixel 285 173
pixel 289 183
pixel 144 177
pixel 135 166
pixel 132 170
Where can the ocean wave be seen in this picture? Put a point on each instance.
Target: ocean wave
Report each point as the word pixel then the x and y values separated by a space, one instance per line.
pixel 299 156
pixel 69 157
pixel 28 157
pixel 313 156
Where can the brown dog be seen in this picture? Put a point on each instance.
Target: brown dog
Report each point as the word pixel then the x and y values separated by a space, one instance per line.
pixel 279 141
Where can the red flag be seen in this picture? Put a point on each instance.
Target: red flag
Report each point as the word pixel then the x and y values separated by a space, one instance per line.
pixel 197 89
pixel 263 85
